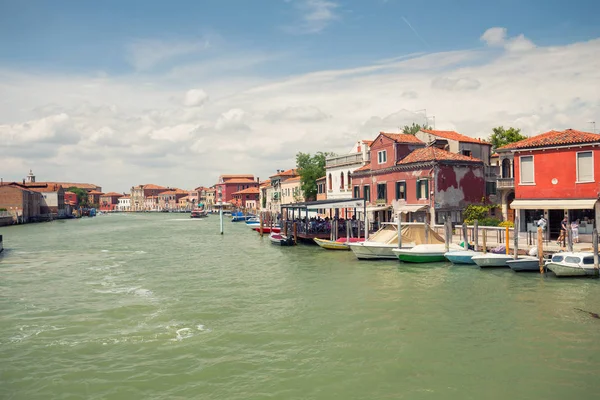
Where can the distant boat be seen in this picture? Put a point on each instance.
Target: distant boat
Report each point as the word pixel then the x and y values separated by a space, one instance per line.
pixel 280 240
pixel 238 216
pixel 425 253
pixel 572 264
pixel 199 213
pixel 267 229
pixel 340 244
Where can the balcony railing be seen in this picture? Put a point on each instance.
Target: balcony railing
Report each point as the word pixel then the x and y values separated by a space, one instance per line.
pixel 344 160
pixel 506 183
pixel 492 171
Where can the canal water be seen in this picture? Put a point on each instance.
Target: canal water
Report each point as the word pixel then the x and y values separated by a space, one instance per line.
pixel 160 306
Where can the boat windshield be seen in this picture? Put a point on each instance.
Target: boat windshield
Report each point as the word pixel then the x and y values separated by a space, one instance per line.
pixel 573 260
pixel 557 258
pixel 588 260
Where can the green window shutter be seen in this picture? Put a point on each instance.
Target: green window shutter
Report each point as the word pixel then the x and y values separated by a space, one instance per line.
pixel 418 194
pixel 426 188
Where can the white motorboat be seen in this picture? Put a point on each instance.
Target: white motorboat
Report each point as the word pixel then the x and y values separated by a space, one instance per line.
pixel 491 260
pixel 425 253
pixel 572 264
pixel 524 263
pixel 461 256
pixel 382 243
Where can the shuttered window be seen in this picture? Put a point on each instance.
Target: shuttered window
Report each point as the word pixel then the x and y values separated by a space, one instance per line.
pixel 381 191
pixel 527 169
pixel 422 188
pixel 400 190
pixel 585 166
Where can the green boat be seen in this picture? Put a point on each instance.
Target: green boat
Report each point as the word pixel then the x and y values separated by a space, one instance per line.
pixel 425 253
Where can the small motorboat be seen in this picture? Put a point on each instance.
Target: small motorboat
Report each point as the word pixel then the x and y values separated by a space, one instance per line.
pixel 461 256
pixel 199 213
pixel 572 264
pixel 491 260
pixel 280 240
pixel 425 253
pixel 267 229
pixel 524 264
pixel 252 221
pixel 340 244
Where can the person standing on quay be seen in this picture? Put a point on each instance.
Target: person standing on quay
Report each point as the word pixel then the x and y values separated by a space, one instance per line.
pixel 575 230
pixel 563 231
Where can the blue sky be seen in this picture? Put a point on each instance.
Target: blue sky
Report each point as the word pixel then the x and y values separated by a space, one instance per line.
pixel 121 93
pixel 94 35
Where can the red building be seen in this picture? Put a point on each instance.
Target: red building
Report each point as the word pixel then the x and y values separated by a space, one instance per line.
pixel 109 201
pixel 229 184
pixel 406 176
pixel 247 198
pixel 94 197
pixel 71 199
pixel 553 174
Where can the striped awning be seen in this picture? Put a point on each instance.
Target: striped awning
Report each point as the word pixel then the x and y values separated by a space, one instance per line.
pixel 557 204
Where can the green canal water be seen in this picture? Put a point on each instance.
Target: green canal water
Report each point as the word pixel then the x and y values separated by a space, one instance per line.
pixel 163 307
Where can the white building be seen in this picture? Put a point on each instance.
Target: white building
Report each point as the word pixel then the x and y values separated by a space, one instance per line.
pixel 124 203
pixel 339 169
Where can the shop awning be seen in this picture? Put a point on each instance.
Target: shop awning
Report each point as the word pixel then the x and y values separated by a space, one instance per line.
pixel 378 208
pixel 585 204
pixel 406 208
pixel 327 204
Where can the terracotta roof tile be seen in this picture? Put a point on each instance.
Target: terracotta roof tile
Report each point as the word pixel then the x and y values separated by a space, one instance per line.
pixel 153 186
pixel 554 138
pixel 248 176
pixel 366 167
pixel 252 190
pixel 434 154
pixel 290 180
pixel 368 142
pixel 43 187
pixel 67 185
pixel 95 192
pixel 452 135
pixel 240 181
pixel 113 194
pixel 322 178
pixel 401 137
pixel 289 172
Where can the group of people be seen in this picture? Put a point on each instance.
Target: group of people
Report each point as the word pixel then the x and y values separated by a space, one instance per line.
pixel 564 226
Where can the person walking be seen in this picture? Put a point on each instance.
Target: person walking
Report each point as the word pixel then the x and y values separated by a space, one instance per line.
pixel 575 231
pixel 563 231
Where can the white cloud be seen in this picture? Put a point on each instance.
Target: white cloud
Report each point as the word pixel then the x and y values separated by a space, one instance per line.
pixel 126 130
pixel 315 16
pixel 497 37
pixel 195 98
pixel 146 54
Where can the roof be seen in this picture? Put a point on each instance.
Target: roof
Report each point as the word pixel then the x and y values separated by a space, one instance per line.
pixel 434 154
pixel 322 178
pixel 289 172
pixel 43 187
pixel 452 135
pixel 112 194
pixel 292 180
pixel 170 192
pixel 249 176
pixel 95 192
pixel 252 190
pixel 367 142
pixel 366 167
pixel 67 185
pixel 153 186
pixel 240 181
pixel 265 183
pixel 401 137
pixel 554 138
pixel 126 196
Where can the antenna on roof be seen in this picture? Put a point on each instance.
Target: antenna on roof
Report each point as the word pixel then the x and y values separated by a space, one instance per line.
pixel 593 126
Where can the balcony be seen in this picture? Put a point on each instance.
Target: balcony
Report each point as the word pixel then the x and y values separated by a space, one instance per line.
pixel 492 171
pixel 349 159
pixel 506 183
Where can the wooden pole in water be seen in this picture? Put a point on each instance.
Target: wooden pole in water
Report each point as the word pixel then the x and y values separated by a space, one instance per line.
pixel 476 234
pixel 540 248
pixel 595 250
pixel 569 237
pixel 348 228
pixel 426 225
pixel 295 233
pixel 484 238
pixel 366 226
pixel 261 222
pixel 516 238
pixel 221 218
pixel 465 236
pixel 399 230
pixel 447 233
pixel 507 241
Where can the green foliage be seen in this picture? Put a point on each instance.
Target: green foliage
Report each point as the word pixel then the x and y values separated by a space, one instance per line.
pixel 414 128
pixel 264 202
pixel 82 195
pixel 510 224
pixel 3 209
pixel 479 212
pixel 502 136
pixel 310 169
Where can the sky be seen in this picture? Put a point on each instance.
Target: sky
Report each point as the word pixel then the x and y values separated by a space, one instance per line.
pixel 122 93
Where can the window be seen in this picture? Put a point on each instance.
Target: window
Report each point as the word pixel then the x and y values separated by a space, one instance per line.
pixel 466 153
pixel 381 191
pixel 349 180
pixel 527 174
pixel 330 182
pixel 382 157
pixel 341 180
pixel 585 166
pixel 367 193
pixel 490 188
pixel 401 190
pixel 422 189
pixel 356 192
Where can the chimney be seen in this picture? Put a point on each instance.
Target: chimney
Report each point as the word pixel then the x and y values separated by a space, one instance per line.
pixel 257 179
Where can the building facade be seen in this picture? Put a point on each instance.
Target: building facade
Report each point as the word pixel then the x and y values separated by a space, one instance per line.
pixel 109 201
pixel 141 192
pixel 53 198
pixel 124 203
pixel 276 182
pixel 247 199
pixel 22 204
pixel 229 184
pixel 554 174
pixel 291 191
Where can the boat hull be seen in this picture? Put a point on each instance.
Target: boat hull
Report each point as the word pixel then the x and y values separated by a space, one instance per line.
pixel 371 251
pixel 421 258
pixel 461 257
pixel 331 245
pixel 279 240
pixel 565 270
pixel 491 260
pixel 524 265
pixel 267 229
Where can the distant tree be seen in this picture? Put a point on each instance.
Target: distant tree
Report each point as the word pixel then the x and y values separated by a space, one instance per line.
pixel 82 195
pixel 414 128
pixel 502 137
pixel 310 168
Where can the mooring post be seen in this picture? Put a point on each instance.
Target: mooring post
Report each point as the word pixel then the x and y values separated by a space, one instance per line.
pixel 476 234
pixel 348 227
pixel 484 238
pixel 295 233
pixel 540 248
pixel 465 236
pixel 595 250
pixel 261 219
pixel 516 238
pixel 507 240
pixel 569 236
pixel 399 230
pixel 447 233
pixel 221 218
pixel 366 226
pixel 426 226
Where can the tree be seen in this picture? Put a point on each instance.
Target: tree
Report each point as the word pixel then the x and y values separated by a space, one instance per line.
pixel 310 168
pixel 82 195
pixel 502 137
pixel 414 128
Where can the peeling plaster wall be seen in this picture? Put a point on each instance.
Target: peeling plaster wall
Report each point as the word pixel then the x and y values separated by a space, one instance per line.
pixel 459 186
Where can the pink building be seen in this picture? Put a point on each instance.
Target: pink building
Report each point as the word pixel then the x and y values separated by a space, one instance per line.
pixel 229 184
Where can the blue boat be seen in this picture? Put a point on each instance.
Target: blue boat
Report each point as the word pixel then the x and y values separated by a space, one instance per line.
pixel 461 257
pixel 238 216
